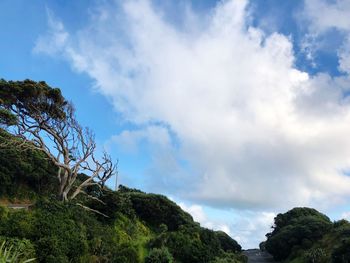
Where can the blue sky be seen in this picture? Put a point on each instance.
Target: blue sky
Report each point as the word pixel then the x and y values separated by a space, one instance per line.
pixel 235 109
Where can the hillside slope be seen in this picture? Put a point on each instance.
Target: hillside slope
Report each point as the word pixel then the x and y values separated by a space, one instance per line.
pixel 136 226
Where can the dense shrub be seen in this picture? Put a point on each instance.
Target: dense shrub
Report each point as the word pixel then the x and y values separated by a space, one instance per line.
pixel 298 228
pixel 159 255
pixel 22 247
pixel 157 210
pixel 230 258
pixel 190 244
pixel 341 254
pixel 316 255
pixel 58 234
pixel 227 243
pixel 24 174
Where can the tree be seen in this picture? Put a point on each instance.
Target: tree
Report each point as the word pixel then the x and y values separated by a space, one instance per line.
pixel 296 229
pixel 41 118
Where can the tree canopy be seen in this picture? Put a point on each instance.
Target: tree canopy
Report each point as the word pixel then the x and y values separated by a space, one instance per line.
pixel 42 119
pixel 298 228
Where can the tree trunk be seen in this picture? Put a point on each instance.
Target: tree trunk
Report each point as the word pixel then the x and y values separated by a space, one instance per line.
pixel 63 196
pixel 63 188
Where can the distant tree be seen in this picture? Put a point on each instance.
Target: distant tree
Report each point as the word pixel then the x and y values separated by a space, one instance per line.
pixel 44 120
pixel 298 228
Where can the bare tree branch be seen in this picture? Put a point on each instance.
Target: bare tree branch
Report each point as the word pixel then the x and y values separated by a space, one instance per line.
pixel 46 122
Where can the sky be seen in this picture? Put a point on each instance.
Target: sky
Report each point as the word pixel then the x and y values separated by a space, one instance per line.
pixel 235 109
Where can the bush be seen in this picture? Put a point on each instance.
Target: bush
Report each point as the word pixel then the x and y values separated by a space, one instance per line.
pixel 3 212
pixel 60 236
pixel 191 244
pixel 227 243
pixel 230 258
pixel 341 254
pixel 24 174
pixel 298 228
pixel 159 255
pixel 157 209
pixel 316 255
pixel 22 249
pixel 126 253
pixel 17 223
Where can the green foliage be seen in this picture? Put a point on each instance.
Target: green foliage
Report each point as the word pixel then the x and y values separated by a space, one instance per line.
pixel 18 224
pixel 3 212
pixel 12 254
pixel 125 189
pixel 52 228
pixel 23 247
pixel 7 118
pixel 230 258
pixel 288 218
pixel 227 243
pixel 159 255
pixel 24 174
pixel 139 226
pixel 132 236
pixel 316 255
pixel 115 203
pixel 297 229
pixel 157 210
pixel 64 232
pixel 341 253
pixel 31 99
pixel 189 244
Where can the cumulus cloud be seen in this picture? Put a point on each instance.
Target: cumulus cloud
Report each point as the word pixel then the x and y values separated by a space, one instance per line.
pixel 200 216
pixel 248 228
pixel 251 227
pixel 325 15
pixel 323 19
pixel 254 130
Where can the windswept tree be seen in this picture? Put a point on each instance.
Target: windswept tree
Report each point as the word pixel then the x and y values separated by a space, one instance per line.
pixel 43 119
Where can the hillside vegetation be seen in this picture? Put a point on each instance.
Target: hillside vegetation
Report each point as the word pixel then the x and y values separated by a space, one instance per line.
pixel 135 227
pixel 304 235
pixel 73 216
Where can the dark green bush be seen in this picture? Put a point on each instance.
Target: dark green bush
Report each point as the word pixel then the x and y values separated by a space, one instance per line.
pixel 298 228
pixel 23 247
pixel 227 243
pixel 24 174
pixel 157 210
pixel 341 254
pixel 190 244
pixel 316 255
pixel 126 253
pixel 159 255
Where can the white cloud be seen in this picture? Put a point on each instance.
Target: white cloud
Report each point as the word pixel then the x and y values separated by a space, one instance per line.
pixel 248 228
pixel 200 216
pixel 55 40
pixel 345 215
pixel 251 227
pixel 323 17
pixel 130 140
pixel 255 131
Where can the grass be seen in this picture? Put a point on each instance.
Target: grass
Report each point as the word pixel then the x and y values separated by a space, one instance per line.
pixel 9 254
